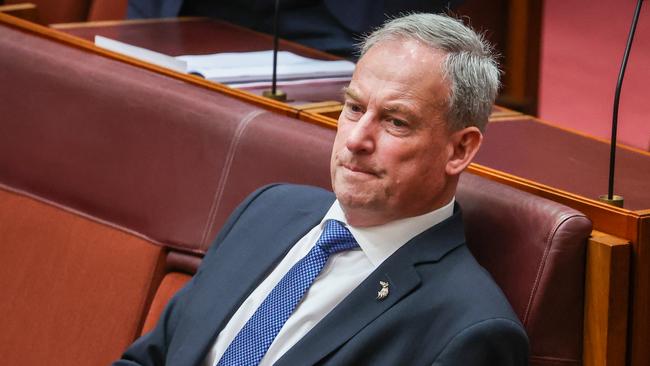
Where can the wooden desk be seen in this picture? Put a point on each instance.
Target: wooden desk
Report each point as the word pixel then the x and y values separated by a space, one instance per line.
pixel 195 36
pixel 182 36
pixel 556 171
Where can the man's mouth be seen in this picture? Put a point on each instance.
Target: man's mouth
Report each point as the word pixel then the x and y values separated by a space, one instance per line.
pixel 359 169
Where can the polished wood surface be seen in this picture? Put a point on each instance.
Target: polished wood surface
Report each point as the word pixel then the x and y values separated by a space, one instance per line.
pixel 186 36
pixel 640 315
pixel 514 27
pixel 195 36
pixel 540 152
pixel 27 11
pixel 606 300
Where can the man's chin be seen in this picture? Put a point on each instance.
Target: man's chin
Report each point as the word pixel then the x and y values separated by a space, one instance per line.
pixel 356 199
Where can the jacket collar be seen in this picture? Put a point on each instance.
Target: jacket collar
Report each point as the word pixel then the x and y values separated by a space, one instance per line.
pixel 361 307
pixel 216 297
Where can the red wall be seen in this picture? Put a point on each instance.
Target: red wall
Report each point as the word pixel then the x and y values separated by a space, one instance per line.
pixel 582 47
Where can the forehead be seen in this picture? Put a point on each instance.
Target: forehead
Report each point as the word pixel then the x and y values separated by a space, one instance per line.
pixel 401 69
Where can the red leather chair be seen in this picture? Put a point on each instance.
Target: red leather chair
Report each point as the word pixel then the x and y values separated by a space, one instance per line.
pixel 535 250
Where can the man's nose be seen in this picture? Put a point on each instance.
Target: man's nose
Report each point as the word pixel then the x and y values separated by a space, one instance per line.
pixel 362 136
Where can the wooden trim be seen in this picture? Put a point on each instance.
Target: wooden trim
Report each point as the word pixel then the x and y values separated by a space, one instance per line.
pixel 518 34
pixel 318 105
pixel 113 23
pixel 644 213
pixel 639 321
pixel 318 119
pixel 331 110
pixel 613 220
pixel 607 284
pixel 523 45
pixel 15 7
pixel 504 114
pixel 26 11
pixel 513 118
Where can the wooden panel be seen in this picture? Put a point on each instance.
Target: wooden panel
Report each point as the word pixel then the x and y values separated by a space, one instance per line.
pixel 107 10
pixel 57 11
pixel 25 11
pixel 606 300
pixel 514 27
pixel 640 310
pixel 327 109
pixel 522 55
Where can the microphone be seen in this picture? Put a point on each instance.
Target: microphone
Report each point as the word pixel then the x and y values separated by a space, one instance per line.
pixel 611 198
pixel 275 93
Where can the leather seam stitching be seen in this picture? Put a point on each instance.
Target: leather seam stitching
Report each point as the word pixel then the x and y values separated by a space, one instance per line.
pixel 230 155
pixel 542 265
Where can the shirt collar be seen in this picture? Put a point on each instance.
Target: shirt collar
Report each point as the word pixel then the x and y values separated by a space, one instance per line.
pixel 379 242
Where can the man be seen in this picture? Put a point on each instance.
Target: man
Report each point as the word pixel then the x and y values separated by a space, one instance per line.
pixel 396 285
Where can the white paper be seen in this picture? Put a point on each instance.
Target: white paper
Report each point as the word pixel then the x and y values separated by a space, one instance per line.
pixel 247 67
pixel 141 54
pixel 238 67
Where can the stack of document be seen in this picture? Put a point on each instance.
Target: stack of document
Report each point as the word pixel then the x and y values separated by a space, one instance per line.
pixel 250 67
pixel 239 67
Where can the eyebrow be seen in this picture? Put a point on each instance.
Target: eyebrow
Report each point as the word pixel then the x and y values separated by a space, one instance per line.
pixel 399 108
pixel 349 92
pixel 402 109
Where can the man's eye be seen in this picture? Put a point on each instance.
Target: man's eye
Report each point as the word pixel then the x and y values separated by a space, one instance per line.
pixel 398 122
pixel 354 108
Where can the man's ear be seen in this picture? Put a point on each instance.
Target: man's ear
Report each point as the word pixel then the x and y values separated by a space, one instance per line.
pixel 464 144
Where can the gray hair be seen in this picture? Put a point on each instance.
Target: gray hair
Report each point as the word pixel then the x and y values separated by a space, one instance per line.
pixel 469 65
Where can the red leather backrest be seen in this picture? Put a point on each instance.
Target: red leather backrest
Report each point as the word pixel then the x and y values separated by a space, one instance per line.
pixel 135 148
pixel 535 250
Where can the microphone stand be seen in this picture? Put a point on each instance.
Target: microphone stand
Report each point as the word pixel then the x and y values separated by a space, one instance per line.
pixel 611 198
pixel 275 93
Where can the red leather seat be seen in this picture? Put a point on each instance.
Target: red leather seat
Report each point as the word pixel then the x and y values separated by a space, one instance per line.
pixel 535 250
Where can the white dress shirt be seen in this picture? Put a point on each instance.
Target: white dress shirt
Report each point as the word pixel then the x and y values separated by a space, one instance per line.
pixel 342 273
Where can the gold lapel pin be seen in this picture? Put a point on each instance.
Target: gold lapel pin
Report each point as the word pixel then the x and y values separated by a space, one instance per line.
pixel 383 293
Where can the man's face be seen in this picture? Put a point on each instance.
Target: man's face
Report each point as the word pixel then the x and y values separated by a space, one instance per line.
pixel 392 145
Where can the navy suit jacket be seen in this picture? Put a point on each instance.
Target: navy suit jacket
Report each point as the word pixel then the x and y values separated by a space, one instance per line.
pixel 443 308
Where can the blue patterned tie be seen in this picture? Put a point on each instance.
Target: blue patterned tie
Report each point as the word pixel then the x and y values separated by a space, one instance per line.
pixel 255 338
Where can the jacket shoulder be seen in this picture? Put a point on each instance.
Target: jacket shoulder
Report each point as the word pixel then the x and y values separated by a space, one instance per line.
pixel 292 196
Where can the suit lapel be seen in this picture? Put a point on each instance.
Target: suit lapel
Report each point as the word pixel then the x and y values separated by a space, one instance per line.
pixel 362 307
pixel 219 293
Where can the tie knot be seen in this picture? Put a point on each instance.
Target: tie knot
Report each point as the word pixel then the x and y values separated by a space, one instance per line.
pixel 336 237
